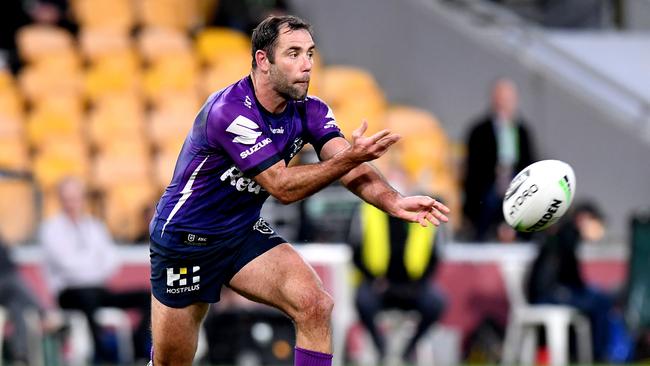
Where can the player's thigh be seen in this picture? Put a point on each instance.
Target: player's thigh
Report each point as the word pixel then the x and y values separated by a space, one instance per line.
pixel 280 277
pixel 175 331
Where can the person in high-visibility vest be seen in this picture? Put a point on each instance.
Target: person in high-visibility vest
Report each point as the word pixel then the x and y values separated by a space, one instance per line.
pixel 395 261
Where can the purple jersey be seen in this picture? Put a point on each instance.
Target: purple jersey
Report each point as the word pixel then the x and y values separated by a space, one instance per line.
pixel 232 140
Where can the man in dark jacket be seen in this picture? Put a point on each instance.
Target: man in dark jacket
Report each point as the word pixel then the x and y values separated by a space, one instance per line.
pixel 499 146
pixel 555 277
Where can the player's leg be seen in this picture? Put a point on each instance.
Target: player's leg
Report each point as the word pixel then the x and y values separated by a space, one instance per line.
pixel 281 278
pixel 175 332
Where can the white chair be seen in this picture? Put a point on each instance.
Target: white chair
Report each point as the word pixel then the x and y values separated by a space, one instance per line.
pixel 520 342
pixel 119 321
pixel 399 326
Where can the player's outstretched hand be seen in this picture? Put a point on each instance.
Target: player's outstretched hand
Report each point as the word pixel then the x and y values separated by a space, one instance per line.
pixel 372 147
pixel 422 209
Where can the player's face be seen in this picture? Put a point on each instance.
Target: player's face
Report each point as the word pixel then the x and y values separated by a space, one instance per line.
pixel 291 70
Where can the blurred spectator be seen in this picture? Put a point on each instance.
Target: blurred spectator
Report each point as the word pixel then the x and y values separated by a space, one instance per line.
pixel 396 260
pixel 80 257
pixel 17 299
pixel 244 15
pixel 555 277
pixel 498 147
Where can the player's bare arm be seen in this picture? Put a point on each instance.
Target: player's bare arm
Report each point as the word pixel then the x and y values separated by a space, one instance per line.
pixel 290 184
pixel 367 182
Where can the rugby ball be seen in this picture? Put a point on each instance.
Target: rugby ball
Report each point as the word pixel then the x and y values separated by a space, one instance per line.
pixel 539 195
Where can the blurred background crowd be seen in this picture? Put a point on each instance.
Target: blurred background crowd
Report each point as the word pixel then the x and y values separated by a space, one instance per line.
pixel 96 97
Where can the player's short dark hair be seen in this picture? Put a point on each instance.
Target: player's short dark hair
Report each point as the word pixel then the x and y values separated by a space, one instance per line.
pixel 265 35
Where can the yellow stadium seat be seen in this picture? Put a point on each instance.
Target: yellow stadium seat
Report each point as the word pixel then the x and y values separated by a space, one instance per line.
pixel 115 117
pixel 111 14
pixel 11 105
pixel 171 120
pixel 217 44
pixel 343 84
pixel 49 169
pixel 13 154
pixel 95 43
pixel 57 76
pixel 17 211
pixel 163 165
pixel 154 43
pixel 178 14
pixel 122 162
pixel 123 208
pixel 54 118
pixel 114 74
pixel 349 116
pixel 411 121
pixel 172 73
pixel 225 73
pixel 39 42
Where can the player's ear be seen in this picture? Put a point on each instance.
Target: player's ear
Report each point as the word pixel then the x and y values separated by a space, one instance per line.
pixel 262 60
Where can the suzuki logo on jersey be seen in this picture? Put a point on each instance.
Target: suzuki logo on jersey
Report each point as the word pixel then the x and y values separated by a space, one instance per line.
pixel 177 279
pixel 244 128
pixel 240 182
pixel 248 152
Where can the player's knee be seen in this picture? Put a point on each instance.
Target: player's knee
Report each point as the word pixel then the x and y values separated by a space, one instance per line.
pixel 314 306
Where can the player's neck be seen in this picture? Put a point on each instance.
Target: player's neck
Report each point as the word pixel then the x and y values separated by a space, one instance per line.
pixel 266 95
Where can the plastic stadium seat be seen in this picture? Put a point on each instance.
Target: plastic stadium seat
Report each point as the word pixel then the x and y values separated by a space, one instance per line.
pixel 115 117
pixel 123 204
pixel 172 73
pixel 178 14
pixel 13 154
pixel 11 105
pixel 17 210
pixel 349 116
pixel 164 163
pixel 111 14
pixel 224 74
pixel 111 74
pixel 54 75
pixel 122 162
pixel 154 43
pixel 343 84
pixel 95 43
pixel 171 120
pixel 49 169
pixel 54 118
pixel 37 42
pixel 217 44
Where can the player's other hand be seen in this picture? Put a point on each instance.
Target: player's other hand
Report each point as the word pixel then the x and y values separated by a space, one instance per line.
pixel 372 147
pixel 422 209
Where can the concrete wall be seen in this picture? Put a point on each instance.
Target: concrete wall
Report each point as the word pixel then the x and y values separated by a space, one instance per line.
pixel 426 59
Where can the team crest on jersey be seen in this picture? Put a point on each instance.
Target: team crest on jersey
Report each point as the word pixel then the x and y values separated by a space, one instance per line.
pixel 296 146
pixel 263 227
pixel 245 130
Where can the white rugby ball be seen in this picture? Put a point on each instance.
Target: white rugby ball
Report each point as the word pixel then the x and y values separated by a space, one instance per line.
pixel 539 195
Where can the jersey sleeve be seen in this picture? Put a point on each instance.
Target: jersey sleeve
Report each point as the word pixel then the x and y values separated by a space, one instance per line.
pixel 321 124
pixel 237 132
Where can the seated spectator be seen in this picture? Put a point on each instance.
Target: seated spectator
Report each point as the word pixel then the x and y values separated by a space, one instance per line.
pixel 396 260
pixel 555 277
pixel 80 257
pixel 499 146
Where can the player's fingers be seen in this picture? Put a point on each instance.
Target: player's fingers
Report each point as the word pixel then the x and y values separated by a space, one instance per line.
pixel 432 219
pixel 439 215
pixel 387 141
pixel 440 206
pixel 421 217
pixel 361 130
pixel 378 136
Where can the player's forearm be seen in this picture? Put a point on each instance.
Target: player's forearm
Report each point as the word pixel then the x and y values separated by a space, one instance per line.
pixel 298 182
pixel 367 182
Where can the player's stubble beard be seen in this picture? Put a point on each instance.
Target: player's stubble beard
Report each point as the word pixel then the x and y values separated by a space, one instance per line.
pixel 287 89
